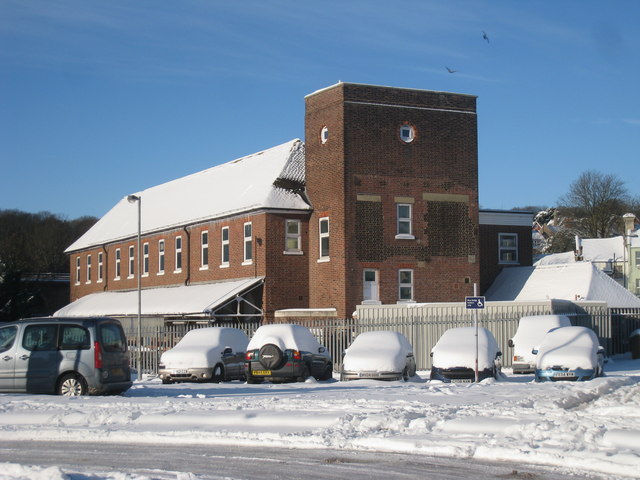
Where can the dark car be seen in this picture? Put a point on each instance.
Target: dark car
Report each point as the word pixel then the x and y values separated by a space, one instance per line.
pixel 286 353
pixel 67 356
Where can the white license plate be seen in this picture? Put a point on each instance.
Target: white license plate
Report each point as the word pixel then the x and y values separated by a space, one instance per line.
pixel 461 380
pixel 563 374
pixel 367 374
pixel 179 371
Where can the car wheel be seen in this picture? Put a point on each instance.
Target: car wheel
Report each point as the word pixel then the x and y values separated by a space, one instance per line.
pixel 328 372
pixel 405 374
pixel 166 381
pixel 305 374
pixel 218 374
pixel 72 385
pixel 270 356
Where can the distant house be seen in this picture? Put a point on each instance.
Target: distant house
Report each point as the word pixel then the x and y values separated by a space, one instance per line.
pixel 379 205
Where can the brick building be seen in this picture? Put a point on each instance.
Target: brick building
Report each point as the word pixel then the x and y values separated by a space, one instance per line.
pixel 380 205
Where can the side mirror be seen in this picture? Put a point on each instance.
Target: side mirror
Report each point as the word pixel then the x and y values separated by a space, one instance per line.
pixel 227 351
pixel 322 350
pixel 511 343
pixel 431 354
pixel 498 354
pixel 534 351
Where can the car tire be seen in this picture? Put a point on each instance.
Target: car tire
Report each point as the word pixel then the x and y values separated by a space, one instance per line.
pixel 270 356
pixel 72 385
pixel 217 375
pixel 328 372
pixel 405 374
pixel 166 381
pixel 305 374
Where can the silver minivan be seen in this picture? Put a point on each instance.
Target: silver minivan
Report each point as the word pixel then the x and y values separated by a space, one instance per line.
pixel 67 356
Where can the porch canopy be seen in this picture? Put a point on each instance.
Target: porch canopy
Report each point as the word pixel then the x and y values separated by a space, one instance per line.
pixel 219 299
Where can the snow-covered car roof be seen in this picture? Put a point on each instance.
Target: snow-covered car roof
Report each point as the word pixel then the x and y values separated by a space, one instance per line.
pixel 532 329
pixel 381 351
pixel 203 347
pixel 457 348
pixel 285 336
pixel 568 347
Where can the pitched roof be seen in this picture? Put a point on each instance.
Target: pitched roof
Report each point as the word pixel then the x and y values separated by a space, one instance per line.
pixel 271 179
pixel 571 281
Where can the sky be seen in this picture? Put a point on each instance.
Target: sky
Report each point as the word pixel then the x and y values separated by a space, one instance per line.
pixel 102 99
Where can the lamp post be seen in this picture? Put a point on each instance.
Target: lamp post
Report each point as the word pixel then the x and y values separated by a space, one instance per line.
pixel 138 200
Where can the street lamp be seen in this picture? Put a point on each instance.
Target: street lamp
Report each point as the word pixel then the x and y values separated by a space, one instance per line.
pixel 137 199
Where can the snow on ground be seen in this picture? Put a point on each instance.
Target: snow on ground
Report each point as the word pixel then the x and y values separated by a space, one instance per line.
pixel 577 427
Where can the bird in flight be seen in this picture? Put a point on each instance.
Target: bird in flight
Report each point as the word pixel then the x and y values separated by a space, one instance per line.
pixel 485 36
pixel 450 70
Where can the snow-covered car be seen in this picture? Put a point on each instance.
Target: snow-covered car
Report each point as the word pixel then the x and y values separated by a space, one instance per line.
pixel 382 355
pixel 569 353
pixel 531 331
pixel 286 352
pixel 212 354
pixel 454 356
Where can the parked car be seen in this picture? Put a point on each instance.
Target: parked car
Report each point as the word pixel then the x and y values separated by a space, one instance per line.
pixel 284 352
pixel 569 353
pixel 381 355
pixel 531 331
pixel 213 354
pixel 67 356
pixel 454 356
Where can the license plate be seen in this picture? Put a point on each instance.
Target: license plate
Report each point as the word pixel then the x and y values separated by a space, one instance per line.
pixel 117 372
pixel 367 374
pixel 262 372
pixel 179 371
pixel 563 374
pixel 461 380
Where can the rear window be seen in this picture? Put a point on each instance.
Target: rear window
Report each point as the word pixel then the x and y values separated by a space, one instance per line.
pixel 74 337
pixel 113 339
pixel 7 337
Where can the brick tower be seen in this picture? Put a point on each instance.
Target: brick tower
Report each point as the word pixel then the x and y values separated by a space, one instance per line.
pixel 392 175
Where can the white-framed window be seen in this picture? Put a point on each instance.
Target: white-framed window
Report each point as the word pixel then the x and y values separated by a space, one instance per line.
pixel 160 257
pixel 637 286
pixel 323 233
pixel 224 254
pixel 637 255
pixel 324 135
pixel 100 267
pixel 145 259
pixel 77 270
pixel 88 268
pixel 370 286
pixel 178 256
pixel 132 261
pixel 404 223
pixel 293 239
pixel 507 248
pixel 405 285
pixel 407 133
pixel 204 250
pixel 248 244
pixel 118 260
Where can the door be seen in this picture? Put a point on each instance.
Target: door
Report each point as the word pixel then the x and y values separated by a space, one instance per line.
pixel 7 356
pixel 38 359
pixel 371 286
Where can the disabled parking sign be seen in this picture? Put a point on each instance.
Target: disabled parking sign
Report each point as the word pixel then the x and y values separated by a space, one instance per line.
pixel 474 303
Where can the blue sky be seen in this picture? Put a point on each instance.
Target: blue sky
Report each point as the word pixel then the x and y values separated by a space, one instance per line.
pixel 100 99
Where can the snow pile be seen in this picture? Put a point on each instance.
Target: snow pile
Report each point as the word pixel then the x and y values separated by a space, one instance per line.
pixel 591 426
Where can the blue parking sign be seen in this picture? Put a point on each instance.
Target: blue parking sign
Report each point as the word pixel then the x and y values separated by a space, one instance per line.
pixel 474 303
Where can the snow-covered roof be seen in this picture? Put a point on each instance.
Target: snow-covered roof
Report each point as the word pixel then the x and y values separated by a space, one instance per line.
pixel 182 300
pixel 597 250
pixel 264 180
pixel 571 281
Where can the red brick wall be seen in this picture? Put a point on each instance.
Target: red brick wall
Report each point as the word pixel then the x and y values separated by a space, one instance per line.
pixel 366 156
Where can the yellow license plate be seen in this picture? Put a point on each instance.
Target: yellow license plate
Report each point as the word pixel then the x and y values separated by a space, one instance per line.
pixel 262 372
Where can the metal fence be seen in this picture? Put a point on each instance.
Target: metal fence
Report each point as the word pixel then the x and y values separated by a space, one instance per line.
pixel 422 325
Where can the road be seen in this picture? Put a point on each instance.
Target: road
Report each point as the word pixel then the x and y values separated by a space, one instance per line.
pixel 208 462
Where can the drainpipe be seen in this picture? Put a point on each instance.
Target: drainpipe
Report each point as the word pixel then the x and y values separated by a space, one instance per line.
pixel 105 269
pixel 187 234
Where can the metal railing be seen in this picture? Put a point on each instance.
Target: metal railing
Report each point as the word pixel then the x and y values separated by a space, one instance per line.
pixel 422 328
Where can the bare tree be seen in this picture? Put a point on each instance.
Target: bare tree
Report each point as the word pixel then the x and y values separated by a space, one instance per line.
pixel 596 201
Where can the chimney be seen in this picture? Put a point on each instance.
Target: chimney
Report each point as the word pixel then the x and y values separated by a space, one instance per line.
pixel 578 250
pixel 629 219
